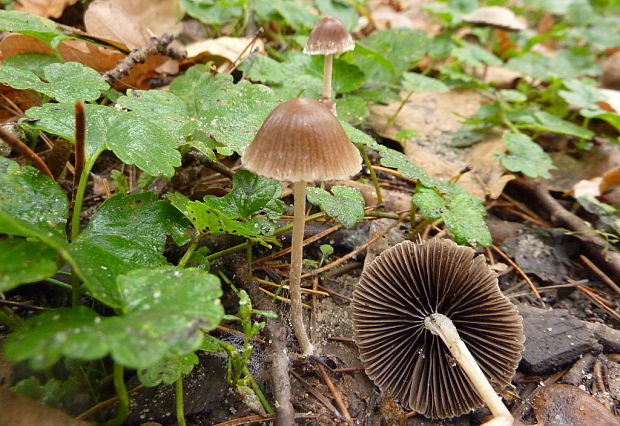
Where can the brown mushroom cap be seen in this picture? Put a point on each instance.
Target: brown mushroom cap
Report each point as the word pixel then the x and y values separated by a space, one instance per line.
pixel 329 36
pixel 403 286
pixel 495 16
pixel 301 140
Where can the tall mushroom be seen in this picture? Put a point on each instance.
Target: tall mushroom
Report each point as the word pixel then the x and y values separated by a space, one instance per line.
pixel 328 37
pixel 432 325
pixel 301 141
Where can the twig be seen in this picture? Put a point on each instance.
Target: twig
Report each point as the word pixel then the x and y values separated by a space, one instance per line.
pixel 354 252
pixel 96 408
pixel 520 271
pixel 600 273
pixel 235 63
pixel 210 164
pixel 23 149
pixel 333 293
pixel 303 289
pixel 394 173
pixel 280 298
pixel 307 241
pixel 597 300
pixel 277 351
pixel 318 395
pixel 154 46
pixel 341 339
pixel 335 392
pixel 259 418
pixel 348 370
pixel 603 252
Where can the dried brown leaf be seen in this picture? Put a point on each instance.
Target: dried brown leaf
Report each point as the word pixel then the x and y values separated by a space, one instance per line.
pixel 436 116
pixel 131 21
pixel 45 8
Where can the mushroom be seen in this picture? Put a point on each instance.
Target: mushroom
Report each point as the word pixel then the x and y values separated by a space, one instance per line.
pixel 431 326
pixel 301 141
pixel 329 36
pixel 495 16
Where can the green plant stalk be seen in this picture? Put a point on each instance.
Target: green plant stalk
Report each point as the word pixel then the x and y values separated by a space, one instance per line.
pixel 398 110
pixel 179 401
pixel 277 232
pixel 373 175
pixel 193 245
pixel 58 283
pixel 257 390
pixel 123 397
pixel 75 219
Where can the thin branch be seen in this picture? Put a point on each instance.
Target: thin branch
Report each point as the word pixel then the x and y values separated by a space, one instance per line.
pixel 23 149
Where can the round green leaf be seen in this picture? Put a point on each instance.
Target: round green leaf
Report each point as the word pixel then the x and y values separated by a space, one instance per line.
pixel 23 261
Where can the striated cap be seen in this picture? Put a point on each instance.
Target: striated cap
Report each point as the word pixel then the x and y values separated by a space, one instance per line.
pixel 399 290
pixel 495 16
pixel 301 140
pixel 329 36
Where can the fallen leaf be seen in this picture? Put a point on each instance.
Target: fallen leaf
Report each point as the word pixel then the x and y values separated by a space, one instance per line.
pixel 610 178
pixel 91 55
pixel 408 14
pixel 45 8
pixel 131 22
pixel 11 98
pixel 223 50
pixel 613 98
pixel 561 404
pixel 18 410
pixel 435 117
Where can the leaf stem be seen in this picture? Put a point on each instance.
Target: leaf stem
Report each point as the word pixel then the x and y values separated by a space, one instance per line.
pixel 193 245
pixel 123 396
pixel 58 283
pixel 179 401
pixel 373 175
pixel 257 390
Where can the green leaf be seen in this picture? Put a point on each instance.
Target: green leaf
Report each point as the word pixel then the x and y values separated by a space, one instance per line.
pixel 165 109
pixel 352 109
pixel 418 82
pixel 211 344
pixel 45 338
pixel 72 81
pixel 23 261
pixel 33 62
pixel 228 113
pixel 475 56
pixel 25 23
pixel 209 220
pixel 66 82
pixel 346 204
pixel 542 120
pixel 59 119
pixel 525 156
pixel 143 143
pixel 400 47
pixel 606 213
pixel 127 232
pixel 431 204
pixel 164 309
pixel 216 12
pixel 50 393
pixel 31 204
pixel 168 371
pixel 250 194
pixel 513 95
pixel 465 219
pixel 581 94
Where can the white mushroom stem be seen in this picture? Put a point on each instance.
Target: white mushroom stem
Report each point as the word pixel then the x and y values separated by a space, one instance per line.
pixel 327 76
pixel 299 206
pixel 443 327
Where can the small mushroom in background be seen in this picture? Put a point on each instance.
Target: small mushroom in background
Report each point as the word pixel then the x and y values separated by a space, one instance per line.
pixel 433 329
pixel 301 141
pixel 495 16
pixel 328 37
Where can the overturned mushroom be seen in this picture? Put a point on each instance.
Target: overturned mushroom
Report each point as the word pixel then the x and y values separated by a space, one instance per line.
pixel 432 325
pixel 301 141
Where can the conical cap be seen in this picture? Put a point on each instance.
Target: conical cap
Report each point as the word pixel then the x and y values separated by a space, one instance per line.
pixel 301 140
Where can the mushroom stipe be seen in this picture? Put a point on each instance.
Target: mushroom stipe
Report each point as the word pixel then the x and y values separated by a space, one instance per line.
pixel 413 299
